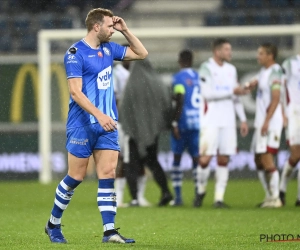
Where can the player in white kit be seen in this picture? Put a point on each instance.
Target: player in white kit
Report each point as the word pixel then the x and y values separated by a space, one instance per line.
pixel 291 67
pixel 268 122
pixel 218 125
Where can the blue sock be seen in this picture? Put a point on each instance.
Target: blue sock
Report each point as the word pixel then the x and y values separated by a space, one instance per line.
pixel 63 195
pixel 176 176
pixel 107 203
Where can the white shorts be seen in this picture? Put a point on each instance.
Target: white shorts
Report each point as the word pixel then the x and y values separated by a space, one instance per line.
pixel 266 143
pixel 293 131
pixel 222 141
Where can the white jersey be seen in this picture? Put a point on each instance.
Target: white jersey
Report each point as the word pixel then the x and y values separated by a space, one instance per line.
pixel 121 76
pixel 217 86
pixel 292 73
pixel 267 77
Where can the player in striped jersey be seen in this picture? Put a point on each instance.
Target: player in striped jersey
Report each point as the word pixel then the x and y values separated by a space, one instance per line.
pixel 291 67
pixel 92 118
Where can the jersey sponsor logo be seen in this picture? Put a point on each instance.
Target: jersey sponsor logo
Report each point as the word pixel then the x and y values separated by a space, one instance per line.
pixel 91 55
pixel 71 59
pixel 106 51
pixel 104 78
pixel 79 141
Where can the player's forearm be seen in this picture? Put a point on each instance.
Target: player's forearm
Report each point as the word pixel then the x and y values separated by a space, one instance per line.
pixel 178 107
pixel 213 95
pixel 272 108
pixel 135 44
pixel 85 104
pixel 239 109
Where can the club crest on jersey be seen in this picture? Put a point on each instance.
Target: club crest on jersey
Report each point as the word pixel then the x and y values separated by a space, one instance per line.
pixel 189 82
pixel 100 54
pixel 106 51
pixel 104 78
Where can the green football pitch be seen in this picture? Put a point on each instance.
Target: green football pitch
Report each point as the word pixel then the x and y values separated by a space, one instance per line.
pixel 25 208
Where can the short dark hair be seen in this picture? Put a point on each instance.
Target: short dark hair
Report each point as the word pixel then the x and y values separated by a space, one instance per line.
pixel 270 49
pixel 186 57
pixel 217 43
pixel 96 16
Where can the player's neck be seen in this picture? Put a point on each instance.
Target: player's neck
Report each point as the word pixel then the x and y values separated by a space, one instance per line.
pixel 92 42
pixel 269 64
pixel 219 61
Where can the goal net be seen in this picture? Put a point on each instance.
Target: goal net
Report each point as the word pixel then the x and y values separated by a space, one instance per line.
pixel 163 45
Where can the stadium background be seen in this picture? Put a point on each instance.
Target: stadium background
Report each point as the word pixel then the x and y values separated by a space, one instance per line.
pixel 21 20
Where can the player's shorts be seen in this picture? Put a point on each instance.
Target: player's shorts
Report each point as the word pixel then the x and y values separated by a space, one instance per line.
pixel 293 131
pixel 188 140
pixel 222 141
pixel 266 143
pixel 82 141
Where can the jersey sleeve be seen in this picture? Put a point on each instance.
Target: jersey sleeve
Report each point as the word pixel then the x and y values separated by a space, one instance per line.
pixel 118 51
pixel 286 65
pixel 177 86
pixel 276 77
pixel 73 65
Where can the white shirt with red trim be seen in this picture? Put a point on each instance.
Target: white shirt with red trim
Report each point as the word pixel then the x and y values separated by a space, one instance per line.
pixel 267 78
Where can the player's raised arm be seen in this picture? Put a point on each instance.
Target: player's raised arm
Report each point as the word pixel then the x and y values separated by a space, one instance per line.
pixel 136 50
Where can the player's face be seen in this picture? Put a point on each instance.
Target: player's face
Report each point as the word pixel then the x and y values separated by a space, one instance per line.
pixel 262 56
pixel 225 52
pixel 106 29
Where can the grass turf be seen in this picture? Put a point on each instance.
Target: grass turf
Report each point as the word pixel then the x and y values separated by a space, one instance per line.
pixel 25 208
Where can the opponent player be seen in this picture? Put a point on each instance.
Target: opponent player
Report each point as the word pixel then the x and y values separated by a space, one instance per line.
pixel 268 122
pixel 185 124
pixel 218 126
pixel 291 67
pixel 92 118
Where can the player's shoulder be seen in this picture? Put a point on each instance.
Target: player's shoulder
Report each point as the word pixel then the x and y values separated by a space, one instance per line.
pixel 206 66
pixel 76 48
pixel 229 66
pixel 277 67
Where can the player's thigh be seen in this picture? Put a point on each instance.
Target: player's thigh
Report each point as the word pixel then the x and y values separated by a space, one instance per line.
pixel 192 143
pixel 80 141
pixel 177 145
pixel 209 141
pixel 267 143
pixel 294 125
pixel 77 167
pixel 295 153
pixel 106 151
pixel 227 141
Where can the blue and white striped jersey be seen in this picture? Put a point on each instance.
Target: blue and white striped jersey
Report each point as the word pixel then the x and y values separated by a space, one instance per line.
pixel 95 67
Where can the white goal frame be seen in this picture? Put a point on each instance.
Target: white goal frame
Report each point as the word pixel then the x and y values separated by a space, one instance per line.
pixel 44 55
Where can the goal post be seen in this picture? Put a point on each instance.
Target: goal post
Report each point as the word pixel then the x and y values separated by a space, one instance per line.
pixel 45 37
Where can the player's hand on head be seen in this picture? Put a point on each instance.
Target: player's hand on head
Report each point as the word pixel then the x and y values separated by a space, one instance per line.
pixel 107 123
pixel 119 23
